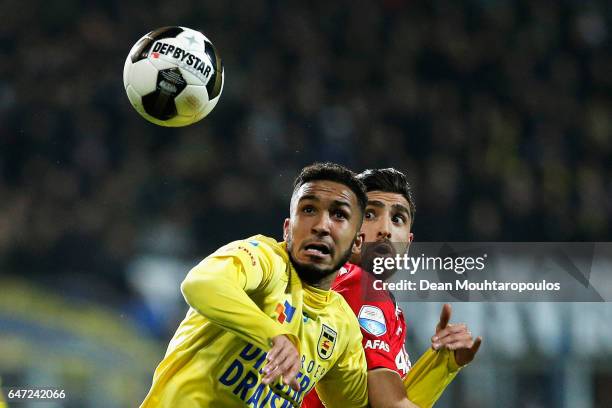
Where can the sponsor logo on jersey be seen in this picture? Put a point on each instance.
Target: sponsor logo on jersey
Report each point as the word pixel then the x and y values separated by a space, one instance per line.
pixel 253 262
pixel 184 59
pixel 243 377
pixel 327 341
pixel 377 345
pixel 372 320
pixel 285 312
pixel 233 248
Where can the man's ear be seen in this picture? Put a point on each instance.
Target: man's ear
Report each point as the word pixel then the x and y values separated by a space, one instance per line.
pixel 286 228
pixel 358 244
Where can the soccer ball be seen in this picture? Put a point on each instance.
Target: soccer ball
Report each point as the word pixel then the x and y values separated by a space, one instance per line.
pixel 173 76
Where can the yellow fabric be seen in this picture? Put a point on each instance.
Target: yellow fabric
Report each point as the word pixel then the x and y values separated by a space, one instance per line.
pixel 240 297
pixel 2 402
pixel 429 376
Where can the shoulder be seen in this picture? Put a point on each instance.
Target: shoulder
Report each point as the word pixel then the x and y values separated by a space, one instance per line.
pixel 374 309
pixel 344 315
pixel 358 287
pixel 348 277
pixel 256 253
pixel 254 247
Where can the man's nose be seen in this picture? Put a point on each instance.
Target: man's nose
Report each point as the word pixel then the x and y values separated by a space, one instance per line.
pixel 384 230
pixel 323 224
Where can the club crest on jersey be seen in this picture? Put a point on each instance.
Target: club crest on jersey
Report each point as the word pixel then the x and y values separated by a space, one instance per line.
pixel 285 312
pixel 327 341
pixel 372 320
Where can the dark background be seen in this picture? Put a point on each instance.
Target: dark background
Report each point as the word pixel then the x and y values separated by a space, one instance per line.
pixel 500 112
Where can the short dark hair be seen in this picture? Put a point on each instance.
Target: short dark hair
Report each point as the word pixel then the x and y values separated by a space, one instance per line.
pixel 389 180
pixel 333 172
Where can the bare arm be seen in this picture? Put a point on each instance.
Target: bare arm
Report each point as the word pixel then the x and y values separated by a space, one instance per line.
pixel 386 390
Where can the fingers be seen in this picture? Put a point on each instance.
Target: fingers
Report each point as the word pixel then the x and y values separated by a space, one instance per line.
pixel 461 339
pixel 445 316
pixel 462 344
pixel 465 352
pixel 279 365
pixel 282 361
pixel 450 329
pixel 271 374
pixel 476 345
pixel 287 370
pixel 295 385
pixel 290 377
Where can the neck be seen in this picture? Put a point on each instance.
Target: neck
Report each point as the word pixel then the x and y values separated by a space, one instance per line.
pixel 326 282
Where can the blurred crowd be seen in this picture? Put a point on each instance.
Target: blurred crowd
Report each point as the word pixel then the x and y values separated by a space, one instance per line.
pixel 499 111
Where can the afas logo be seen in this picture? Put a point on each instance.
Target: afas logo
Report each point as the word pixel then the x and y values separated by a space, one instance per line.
pixel 377 345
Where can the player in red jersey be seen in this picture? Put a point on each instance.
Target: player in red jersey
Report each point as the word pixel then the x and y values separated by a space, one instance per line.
pixel 387 229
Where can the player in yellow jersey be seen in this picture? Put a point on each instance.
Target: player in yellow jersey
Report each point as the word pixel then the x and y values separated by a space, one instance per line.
pixel 263 327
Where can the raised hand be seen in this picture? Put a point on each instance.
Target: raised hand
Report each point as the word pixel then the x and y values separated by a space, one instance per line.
pixel 455 337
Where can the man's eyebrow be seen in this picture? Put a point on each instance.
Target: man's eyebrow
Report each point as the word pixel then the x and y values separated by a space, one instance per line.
pixel 396 207
pixel 342 203
pixel 401 208
pixel 376 203
pixel 309 197
pixel 336 203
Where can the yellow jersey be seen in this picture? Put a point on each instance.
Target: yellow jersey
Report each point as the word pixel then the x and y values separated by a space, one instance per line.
pixel 430 376
pixel 240 297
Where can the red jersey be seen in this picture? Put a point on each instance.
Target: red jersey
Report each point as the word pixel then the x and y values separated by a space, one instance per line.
pixel 380 319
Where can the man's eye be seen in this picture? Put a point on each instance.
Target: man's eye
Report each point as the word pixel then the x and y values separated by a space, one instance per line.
pixel 369 214
pixel 308 210
pixel 399 219
pixel 340 214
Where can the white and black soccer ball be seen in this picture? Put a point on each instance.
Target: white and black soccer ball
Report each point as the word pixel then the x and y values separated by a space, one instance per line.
pixel 173 76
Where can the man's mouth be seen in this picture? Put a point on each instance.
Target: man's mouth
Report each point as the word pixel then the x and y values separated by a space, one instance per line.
pixel 318 249
pixel 383 248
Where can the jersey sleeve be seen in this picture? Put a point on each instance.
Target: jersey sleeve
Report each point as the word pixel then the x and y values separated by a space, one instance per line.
pixel 346 384
pixel 377 349
pixel 430 376
pixel 219 288
pixel 377 341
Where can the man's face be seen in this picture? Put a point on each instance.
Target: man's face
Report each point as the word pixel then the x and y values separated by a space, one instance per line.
pixel 323 224
pixel 386 227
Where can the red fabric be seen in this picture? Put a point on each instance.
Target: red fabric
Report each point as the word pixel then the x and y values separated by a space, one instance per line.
pixel 383 343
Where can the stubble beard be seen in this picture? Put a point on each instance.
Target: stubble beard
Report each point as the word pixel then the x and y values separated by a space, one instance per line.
pixel 313 274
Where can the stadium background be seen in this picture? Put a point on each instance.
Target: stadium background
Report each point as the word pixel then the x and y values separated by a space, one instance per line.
pixel 499 111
